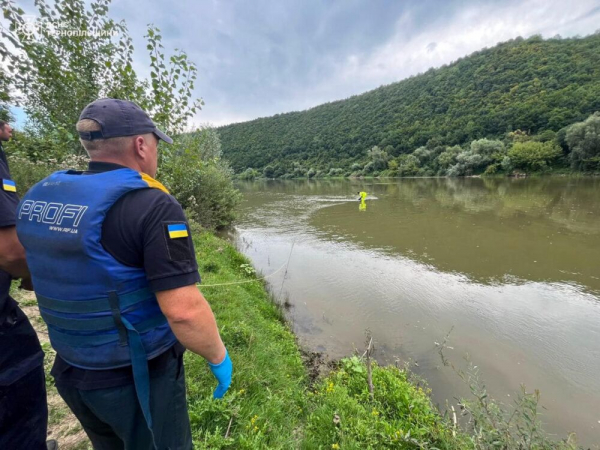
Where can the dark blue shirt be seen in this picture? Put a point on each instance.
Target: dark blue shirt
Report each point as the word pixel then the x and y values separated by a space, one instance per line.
pixel 20 350
pixel 133 232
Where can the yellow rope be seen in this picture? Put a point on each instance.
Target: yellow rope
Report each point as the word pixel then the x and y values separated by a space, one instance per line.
pixel 241 282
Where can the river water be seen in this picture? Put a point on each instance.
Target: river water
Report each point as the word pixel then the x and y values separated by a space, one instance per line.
pixel 508 267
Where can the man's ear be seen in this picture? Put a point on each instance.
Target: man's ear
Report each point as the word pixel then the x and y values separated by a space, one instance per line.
pixel 140 148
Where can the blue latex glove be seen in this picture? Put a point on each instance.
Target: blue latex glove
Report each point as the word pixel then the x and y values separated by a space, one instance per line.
pixel 222 373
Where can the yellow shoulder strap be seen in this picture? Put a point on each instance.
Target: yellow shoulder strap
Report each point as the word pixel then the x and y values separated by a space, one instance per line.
pixel 153 183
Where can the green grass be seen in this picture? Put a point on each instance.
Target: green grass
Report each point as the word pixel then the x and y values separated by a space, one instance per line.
pixel 55 416
pixel 400 414
pixel 266 401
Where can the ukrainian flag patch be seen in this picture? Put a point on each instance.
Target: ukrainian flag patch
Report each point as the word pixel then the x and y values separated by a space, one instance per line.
pixel 177 230
pixel 9 185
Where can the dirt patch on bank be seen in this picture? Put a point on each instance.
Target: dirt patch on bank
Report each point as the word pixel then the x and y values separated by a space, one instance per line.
pixel 317 365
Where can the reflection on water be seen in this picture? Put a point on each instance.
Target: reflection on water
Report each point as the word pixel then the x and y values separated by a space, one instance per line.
pixel 512 265
pixel 536 230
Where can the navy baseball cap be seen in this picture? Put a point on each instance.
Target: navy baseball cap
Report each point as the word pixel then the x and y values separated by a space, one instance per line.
pixel 118 118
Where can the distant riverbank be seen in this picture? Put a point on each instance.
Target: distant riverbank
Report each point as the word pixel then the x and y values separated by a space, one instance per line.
pixel 545 174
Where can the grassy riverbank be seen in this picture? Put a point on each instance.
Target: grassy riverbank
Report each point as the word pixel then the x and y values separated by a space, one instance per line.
pixel 276 401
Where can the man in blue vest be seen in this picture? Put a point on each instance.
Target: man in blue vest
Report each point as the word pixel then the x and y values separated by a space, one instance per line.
pixel 113 268
pixel 23 408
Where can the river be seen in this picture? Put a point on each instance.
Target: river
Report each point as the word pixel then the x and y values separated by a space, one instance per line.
pixel 508 267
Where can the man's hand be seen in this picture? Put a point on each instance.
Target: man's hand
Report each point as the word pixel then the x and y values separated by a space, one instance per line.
pixel 12 253
pixel 194 325
pixel 222 373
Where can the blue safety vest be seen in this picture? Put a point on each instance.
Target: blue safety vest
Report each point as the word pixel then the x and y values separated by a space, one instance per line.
pixel 100 312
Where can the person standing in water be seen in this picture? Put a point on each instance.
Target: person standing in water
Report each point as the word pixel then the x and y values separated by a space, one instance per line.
pixel 362 197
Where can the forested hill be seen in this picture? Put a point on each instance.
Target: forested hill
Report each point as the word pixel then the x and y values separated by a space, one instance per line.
pixel 524 84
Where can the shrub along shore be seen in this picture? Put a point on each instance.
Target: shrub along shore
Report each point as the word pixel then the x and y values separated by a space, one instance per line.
pixel 277 402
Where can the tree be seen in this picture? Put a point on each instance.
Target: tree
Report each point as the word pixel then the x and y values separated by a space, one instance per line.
pixel 530 85
pixel 545 136
pixel 408 165
pixel 379 158
pixel 74 54
pixel 424 155
pixel 298 171
pixel 269 171
pixel 203 142
pixel 532 155
pixel 481 154
pixel 169 101
pixel 195 174
pixel 468 163
pixel 59 74
pixel 4 98
pixel 249 174
pixel 518 136
pixel 583 139
pixel 488 149
pixel 447 158
pixel 507 164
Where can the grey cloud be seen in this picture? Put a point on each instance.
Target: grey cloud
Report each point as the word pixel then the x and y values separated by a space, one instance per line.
pixel 269 56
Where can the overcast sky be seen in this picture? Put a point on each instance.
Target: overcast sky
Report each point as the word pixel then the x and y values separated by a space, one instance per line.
pixel 258 58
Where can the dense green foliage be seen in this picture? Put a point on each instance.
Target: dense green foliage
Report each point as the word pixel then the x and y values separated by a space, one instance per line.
pixel 584 141
pixel 197 176
pixel 26 172
pixel 531 156
pixel 535 85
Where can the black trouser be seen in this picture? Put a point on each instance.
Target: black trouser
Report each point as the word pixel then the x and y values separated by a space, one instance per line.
pixel 24 412
pixel 113 419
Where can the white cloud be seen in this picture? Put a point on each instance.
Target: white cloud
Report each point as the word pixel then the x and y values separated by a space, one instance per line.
pixel 469 30
pixel 215 117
